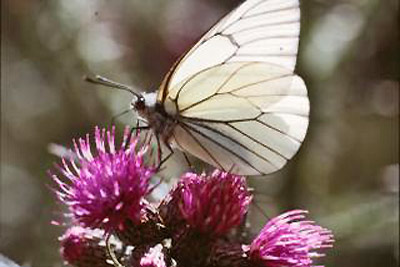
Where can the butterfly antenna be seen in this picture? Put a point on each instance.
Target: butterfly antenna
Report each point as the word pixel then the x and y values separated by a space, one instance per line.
pixel 109 83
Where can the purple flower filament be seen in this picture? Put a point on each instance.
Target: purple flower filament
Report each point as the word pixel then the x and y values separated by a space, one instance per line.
pixel 288 240
pixel 106 188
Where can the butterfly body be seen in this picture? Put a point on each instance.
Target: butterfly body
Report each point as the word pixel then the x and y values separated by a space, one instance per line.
pixel 153 112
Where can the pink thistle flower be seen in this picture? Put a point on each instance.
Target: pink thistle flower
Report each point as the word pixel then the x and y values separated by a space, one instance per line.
pixel 154 257
pixel 150 230
pixel 289 240
pixel 107 188
pixel 81 247
pixel 149 256
pixel 213 204
pixel 73 244
pixel 171 216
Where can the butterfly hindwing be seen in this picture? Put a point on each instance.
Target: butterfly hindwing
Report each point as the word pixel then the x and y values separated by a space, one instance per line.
pixel 252 116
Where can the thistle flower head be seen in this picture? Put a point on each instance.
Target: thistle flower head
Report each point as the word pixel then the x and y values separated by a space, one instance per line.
pixel 73 244
pixel 289 240
pixel 106 188
pixel 80 247
pixel 215 203
pixel 170 213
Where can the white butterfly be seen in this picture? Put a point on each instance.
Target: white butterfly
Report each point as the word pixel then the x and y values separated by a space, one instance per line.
pixel 233 99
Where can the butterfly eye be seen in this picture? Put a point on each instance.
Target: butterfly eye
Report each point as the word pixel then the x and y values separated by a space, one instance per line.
pixel 139 104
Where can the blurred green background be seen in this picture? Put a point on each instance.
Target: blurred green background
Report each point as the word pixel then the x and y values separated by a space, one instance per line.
pixel 346 173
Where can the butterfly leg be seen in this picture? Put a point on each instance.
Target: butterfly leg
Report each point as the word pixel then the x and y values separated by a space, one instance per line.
pixel 135 131
pixel 170 151
pixel 138 129
pixel 190 165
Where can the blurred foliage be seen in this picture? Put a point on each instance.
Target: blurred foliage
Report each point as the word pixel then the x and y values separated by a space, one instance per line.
pixel 346 174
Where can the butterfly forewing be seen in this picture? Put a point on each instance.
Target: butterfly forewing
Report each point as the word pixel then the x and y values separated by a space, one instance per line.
pixel 234 95
pixel 265 31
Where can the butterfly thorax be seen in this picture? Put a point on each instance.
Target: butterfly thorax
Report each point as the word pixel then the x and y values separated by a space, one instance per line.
pixel 155 115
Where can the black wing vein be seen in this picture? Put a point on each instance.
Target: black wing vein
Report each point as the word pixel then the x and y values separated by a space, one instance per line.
pixel 234 141
pixel 223 147
pixel 183 126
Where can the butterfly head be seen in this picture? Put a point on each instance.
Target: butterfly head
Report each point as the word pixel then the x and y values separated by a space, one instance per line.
pixel 153 114
pixel 144 101
pixel 139 103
